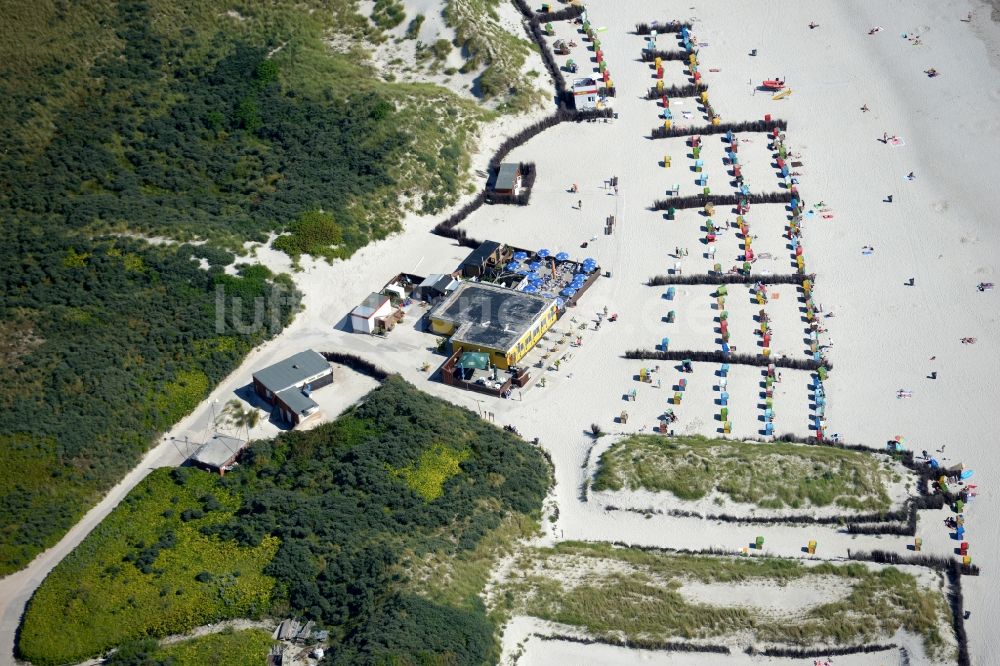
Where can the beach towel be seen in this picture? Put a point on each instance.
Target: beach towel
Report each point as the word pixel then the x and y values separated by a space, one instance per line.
pixel 714 69
pixel 897 141
pixel 828 216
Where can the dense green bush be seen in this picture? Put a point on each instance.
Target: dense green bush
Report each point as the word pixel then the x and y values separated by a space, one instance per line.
pixel 121 119
pixel 107 343
pixel 357 505
pixel 144 573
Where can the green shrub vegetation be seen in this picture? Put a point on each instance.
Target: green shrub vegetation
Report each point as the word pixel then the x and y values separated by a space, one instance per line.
pixel 381 525
pixel 313 233
pixel 387 14
pixel 149 569
pixel 640 598
pixel 194 120
pixel 413 29
pixel 98 358
pixel 773 475
pixel 232 648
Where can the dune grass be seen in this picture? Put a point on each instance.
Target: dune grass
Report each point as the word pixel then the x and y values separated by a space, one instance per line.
pixel 774 475
pixel 636 593
pixel 486 43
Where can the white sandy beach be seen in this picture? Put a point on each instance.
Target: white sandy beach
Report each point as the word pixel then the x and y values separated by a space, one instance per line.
pixel 939 229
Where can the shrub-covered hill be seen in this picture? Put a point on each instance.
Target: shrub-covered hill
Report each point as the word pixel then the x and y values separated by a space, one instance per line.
pixel 197 119
pixel 104 344
pixel 378 517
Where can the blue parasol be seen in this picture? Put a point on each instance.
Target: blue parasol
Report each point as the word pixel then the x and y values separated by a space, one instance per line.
pixel 562 256
pixel 590 260
pixel 543 253
pixel 520 256
pixel 531 289
pixel 560 303
pixel 535 265
pixel 568 292
pixel 512 266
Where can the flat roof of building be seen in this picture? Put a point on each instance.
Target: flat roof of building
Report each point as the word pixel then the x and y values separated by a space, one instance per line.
pixel 584 83
pixel 370 305
pixel 291 371
pixel 490 316
pixel 297 401
pixel 218 451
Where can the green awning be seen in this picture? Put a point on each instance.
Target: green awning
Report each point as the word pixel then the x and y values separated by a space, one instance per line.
pixel 477 360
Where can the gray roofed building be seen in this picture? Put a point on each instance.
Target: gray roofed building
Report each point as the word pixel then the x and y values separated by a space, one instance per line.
pixel 292 371
pixel 475 264
pixel 286 384
pixel 297 401
pixel 437 285
pixel 218 452
pixel 507 177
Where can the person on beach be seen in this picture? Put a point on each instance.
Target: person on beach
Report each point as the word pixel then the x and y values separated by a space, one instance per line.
pixel 888 198
pixel 885 137
pixel 910 176
pixel 865 109
pixel 813 26
pixel 579 204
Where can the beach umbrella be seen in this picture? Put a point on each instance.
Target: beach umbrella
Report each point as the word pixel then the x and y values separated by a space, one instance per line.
pixel 535 265
pixel 568 292
pixel 543 253
pixel 562 256
pixel 589 268
pixel 590 260
pixel 520 256
pixel 560 303
pixel 531 289
pixel 512 266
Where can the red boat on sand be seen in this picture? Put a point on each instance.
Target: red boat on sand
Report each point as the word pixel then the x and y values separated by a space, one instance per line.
pixel 773 84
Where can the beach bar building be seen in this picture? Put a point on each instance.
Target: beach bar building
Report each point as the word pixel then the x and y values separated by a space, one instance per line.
pixel 287 385
pixel 501 322
pixel 585 94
